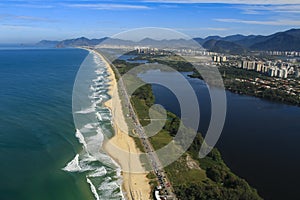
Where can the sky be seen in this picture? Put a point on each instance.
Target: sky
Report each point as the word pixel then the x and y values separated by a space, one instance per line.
pixel 23 21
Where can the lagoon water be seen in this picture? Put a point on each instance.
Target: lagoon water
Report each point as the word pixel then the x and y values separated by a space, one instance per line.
pixel 42 155
pixel 259 142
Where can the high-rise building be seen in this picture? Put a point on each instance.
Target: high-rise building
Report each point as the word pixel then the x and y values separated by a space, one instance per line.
pixel 251 65
pixel 279 73
pixel 223 59
pixel 258 67
pixel 245 64
pixel 271 72
pixel 214 58
pixel 297 73
pixel 285 73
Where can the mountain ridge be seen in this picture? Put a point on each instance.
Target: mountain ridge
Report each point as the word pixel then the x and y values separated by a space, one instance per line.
pixel 280 41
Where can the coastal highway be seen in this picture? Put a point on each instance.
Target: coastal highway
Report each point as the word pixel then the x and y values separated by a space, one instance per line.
pixel 167 189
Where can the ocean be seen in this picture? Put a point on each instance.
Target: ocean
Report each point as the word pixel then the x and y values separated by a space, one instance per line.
pixel 47 152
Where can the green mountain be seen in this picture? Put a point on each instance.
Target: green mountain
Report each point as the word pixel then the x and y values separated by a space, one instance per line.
pixel 221 46
pixel 281 41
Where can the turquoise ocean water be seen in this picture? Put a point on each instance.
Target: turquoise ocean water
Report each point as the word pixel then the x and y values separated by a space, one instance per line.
pixel 43 154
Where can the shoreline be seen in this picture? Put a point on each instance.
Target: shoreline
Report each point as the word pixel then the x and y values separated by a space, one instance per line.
pixel 121 147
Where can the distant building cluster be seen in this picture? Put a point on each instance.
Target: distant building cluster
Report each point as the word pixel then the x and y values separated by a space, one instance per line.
pixel 283 53
pixel 278 69
pixel 168 51
pixel 219 59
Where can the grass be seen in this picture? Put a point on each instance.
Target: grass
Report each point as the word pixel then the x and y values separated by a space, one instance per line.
pixel 179 173
pixel 160 140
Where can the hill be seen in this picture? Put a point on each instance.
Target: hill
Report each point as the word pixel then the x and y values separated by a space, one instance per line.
pixel 221 46
pixel 281 41
pixel 82 41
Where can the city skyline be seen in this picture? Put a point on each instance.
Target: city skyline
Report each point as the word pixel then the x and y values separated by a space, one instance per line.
pixel 27 22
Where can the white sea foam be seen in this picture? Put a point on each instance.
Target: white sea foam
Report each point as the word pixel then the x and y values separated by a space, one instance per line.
pixel 98 172
pixel 88 128
pixel 99 71
pixel 99 116
pixel 90 125
pixel 86 111
pixel 92 88
pixel 99 92
pixel 99 101
pixel 87 158
pixel 93 188
pixel 91 160
pixel 85 166
pixel 108 185
pixel 81 138
pixel 99 78
pixel 73 165
pixel 94 144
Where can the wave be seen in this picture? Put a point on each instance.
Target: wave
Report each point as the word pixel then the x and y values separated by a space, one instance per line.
pixel 81 139
pixel 98 172
pixel 99 116
pixel 73 165
pixel 86 111
pixel 89 126
pixel 93 188
pixel 101 171
pixel 100 72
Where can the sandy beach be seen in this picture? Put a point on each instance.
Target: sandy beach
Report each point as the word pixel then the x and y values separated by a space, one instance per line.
pixel 122 148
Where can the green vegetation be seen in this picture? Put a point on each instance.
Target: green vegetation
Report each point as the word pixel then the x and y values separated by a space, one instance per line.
pixel 191 177
pixel 277 91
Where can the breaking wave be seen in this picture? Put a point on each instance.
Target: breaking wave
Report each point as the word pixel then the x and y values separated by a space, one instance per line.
pixel 91 120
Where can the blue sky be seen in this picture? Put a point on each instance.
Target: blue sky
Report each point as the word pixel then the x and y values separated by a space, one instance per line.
pixel 31 21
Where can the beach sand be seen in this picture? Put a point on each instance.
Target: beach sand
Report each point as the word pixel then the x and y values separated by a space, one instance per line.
pixel 122 148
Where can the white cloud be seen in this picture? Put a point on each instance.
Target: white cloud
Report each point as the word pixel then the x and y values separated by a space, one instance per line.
pixel 284 22
pixel 24 18
pixel 253 2
pixel 37 6
pixel 31 18
pixel 203 28
pixel 259 9
pixel 20 27
pixel 100 6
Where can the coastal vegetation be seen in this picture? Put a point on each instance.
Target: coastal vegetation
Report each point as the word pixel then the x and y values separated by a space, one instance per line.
pixel 191 177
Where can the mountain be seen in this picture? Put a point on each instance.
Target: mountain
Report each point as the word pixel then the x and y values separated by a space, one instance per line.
pixel 203 40
pixel 47 43
pixel 149 42
pixel 221 46
pixel 234 38
pixel 79 42
pixel 82 41
pixel 281 41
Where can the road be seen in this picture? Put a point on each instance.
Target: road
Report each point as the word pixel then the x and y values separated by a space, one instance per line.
pixel 154 161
